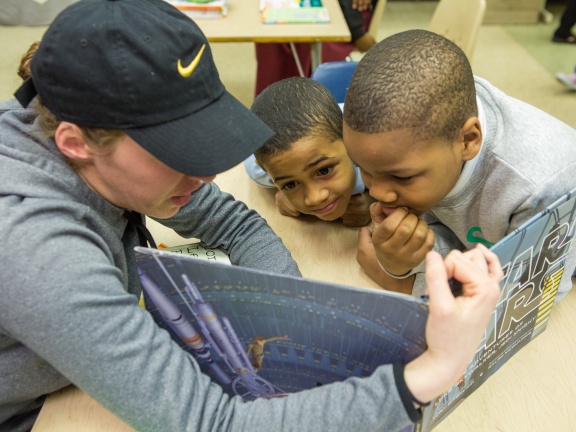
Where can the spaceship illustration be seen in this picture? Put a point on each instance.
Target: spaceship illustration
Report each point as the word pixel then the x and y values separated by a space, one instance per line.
pixel 210 334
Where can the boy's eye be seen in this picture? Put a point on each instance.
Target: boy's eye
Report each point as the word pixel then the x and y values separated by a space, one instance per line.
pixel 288 186
pixel 325 170
pixel 403 179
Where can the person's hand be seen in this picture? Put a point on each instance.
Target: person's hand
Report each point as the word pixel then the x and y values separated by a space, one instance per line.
pixel 284 206
pixel 364 42
pixel 366 257
pixel 401 239
pixel 361 5
pixel 357 213
pixel 456 325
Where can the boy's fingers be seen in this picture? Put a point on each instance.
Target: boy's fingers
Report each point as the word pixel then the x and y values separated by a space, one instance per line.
pixel 288 212
pixel 376 213
pixel 364 235
pixel 386 227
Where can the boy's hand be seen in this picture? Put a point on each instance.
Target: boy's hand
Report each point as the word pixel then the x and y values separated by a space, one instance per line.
pixel 358 211
pixel 366 257
pixel 284 206
pixel 361 4
pixel 364 42
pixel 401 239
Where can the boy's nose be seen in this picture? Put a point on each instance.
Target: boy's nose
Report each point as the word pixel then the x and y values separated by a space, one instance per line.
pixel 315 196
pixel 382 192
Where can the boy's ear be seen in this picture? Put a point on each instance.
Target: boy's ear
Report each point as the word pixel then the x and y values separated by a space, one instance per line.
pixel 471 136
pixel 71 142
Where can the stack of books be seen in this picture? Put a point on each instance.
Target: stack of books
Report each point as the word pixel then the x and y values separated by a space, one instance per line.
pixel 201 8
pixel 293 12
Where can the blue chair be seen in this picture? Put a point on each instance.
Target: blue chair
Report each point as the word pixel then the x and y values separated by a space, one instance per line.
pixel 335 76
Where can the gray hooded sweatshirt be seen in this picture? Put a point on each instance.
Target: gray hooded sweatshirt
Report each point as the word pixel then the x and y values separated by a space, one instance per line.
pixel 69 308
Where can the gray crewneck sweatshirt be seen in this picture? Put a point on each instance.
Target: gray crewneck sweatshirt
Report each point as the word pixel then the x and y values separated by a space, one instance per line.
pixel 526 162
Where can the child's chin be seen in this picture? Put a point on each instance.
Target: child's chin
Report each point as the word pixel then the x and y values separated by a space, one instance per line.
pixel 328 217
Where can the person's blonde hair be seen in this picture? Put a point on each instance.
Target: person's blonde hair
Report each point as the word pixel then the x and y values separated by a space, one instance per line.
pixel 99 138
pixel 24 67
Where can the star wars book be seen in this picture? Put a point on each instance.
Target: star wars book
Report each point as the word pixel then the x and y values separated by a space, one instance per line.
pixel 262 335
pixel 533 258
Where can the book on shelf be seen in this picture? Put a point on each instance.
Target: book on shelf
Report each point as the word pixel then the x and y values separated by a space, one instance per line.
pixel 312 332
pixel 293 12
pixel 201 8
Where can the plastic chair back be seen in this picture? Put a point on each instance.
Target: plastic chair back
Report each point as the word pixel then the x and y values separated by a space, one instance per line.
pixel 376 20
pixel 335 76
pixel 459 21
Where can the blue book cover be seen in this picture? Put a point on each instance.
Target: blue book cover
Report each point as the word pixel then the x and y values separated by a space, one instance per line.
pixel 261 334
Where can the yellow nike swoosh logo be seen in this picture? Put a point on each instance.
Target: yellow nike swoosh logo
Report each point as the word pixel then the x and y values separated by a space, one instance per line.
pixel 185 72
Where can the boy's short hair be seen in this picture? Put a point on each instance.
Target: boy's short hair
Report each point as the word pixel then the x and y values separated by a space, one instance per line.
pixel 415 80
pixel 295 108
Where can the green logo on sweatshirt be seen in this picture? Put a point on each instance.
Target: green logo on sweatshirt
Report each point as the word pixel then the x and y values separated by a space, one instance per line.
pixel 474 236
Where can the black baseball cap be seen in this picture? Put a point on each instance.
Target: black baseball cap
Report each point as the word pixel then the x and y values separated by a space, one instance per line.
pixel 145 68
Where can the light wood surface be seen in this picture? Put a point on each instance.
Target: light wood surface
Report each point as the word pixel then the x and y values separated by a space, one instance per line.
pixel 534 391
pixel 243 24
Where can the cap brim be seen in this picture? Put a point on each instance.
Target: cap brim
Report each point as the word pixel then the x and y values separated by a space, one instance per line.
pixel 207 142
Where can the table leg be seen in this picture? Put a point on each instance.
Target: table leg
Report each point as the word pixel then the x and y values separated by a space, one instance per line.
pixel 316 56
pixel 316 48
pixel 297 59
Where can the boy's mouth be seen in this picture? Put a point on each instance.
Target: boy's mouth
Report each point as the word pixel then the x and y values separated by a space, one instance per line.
pixel 389 210
pixel 326 209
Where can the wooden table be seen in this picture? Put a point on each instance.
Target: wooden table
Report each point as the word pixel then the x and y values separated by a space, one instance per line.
pixel 243 24
pixel 534 391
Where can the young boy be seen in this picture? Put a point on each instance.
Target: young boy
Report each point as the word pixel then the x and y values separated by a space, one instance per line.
pixel 306 159
pixel 437 145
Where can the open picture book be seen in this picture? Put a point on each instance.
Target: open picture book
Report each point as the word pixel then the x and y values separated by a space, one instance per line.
pixel 259 334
